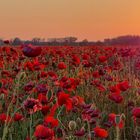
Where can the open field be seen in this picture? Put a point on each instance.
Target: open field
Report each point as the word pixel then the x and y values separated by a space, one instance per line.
pixel 69 93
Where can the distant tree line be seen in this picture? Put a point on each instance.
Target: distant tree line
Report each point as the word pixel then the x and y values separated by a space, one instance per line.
pixel 72 41
pixel 123 40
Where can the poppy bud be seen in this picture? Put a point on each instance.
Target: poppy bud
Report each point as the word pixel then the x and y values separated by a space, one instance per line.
pixel 78 120
pixel 72 125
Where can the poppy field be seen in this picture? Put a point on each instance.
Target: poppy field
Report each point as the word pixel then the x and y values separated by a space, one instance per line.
pixel 69 93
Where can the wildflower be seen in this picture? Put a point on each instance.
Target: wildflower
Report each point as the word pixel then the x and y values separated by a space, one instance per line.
pixel 42 88
pixel 64 99
pixel 100 132
pixel 42 98
pixel 62 65
pixel 53 75
pixel 112 120
pixel 102 58
pixel 123 86
pixel 18 117
pixel 29 86
pixel 80 133
pixel 136 112
pixel 116 97
pixel 51 120
pixel 42 132
pixel 85 56
pixel 75 60
pixel 31 51
pixel 114 89
pixel 95 74
pixel 77 100
pixel 69 84
pixel 3 118
pixel 117 65
pixel 32 105
pixel 45 109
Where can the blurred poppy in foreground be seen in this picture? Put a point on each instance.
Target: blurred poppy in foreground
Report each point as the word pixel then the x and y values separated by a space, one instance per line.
pixel 31 51
pixel 6 42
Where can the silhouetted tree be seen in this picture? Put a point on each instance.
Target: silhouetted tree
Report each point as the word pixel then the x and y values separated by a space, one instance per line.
pixel 16 41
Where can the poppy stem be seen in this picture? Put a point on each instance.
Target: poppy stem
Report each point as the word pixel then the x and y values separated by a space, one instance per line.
pixel 117 133
pixel 31 126
pixel 59 119
pixel 89 133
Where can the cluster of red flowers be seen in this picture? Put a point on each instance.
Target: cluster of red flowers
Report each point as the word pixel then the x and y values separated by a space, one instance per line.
pixel 58 93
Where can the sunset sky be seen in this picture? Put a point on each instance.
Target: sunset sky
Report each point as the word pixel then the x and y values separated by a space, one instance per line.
pixel 91 19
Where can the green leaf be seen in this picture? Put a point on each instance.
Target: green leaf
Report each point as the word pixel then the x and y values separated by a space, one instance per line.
pixel 0 84
pixel 117 119
pixel 49 94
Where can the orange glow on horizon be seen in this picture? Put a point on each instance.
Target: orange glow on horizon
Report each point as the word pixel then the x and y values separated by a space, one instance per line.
pixel 91 19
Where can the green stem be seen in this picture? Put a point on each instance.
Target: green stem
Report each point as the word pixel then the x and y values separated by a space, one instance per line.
pixel 59 119
pixel 89 133
pixel 117 133
pixel 31 118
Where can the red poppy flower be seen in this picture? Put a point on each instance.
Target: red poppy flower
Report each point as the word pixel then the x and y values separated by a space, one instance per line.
pixel 51 120
pixel 116 97
pixel 112 118
pixel 3 118
pixel 6 42
pixel 117 65
pixel 42 88
pixel 53 75
pixel 69 84
pixel 136 112
pixel 123 86
pixel 62 65
pixel 80 133
pixel 95 74
pixel 43 74
pixel 28 65
pixel 6 73
pixel 86 63
pixel 77 100
pixel 32 105
pixel 102 58
pixel 42 98
pixel 45 109
pixel 37 65
pixel 114 89
pixel 29 86
pixel 18 117
pixel 137 65
pixel 64 99
pixel 31 51
pixel 75 60
pixel 98 85
pixel 101 133
pixel 85 56
pixel 53 109
pixel 42 132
